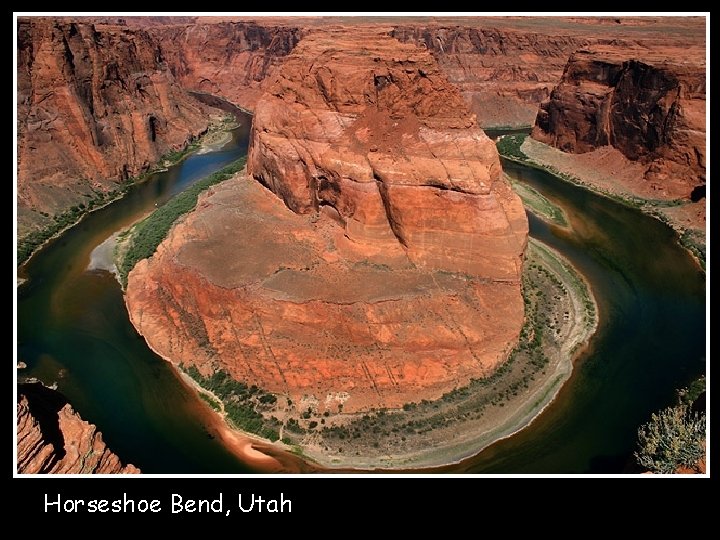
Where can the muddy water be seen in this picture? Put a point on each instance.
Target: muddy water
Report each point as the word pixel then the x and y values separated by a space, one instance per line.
pixel 73 329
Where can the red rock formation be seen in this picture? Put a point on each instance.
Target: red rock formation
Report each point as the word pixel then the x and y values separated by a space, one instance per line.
pixel 245 285
pixel 228 59
pixel 369 127
pixel 52 438
pixel 649 104
pixel 503 74
pixel 401 280
pixel 506 66
pixel 96 105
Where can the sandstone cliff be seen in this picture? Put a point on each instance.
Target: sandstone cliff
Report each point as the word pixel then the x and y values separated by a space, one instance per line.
pixel 385 271
pixel 506 66
pixel 228 59
pixel 371 129
pixel 503 74
pixel 52 438
pixel 96 105
pixel 647 103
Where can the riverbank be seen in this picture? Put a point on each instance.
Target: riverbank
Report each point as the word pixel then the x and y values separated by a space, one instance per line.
pixel 215 142
pixel 538 204
pixel 561 317
pixel 142 239
pixel 261 454
pixel 607 173
pixel 500 131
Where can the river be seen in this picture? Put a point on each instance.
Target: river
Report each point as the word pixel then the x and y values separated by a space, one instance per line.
pixel 73 329
pixel 650 342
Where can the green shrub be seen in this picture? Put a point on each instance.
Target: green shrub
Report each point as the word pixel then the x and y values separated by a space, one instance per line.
pixel 509 146
pixel 148 233
pixel 672 438
pixel 210 401
pixel 240 402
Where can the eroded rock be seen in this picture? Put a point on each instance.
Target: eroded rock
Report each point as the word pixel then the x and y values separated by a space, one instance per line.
pixel 53 439
pixel 384 265
pixel 647 103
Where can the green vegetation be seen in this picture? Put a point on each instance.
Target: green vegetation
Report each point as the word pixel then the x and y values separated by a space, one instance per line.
pixel 546 286
pixel 538 204
pixel 146 235
pixel 695 242
pixel 242 403
pixel 294 426
pixel 690 394
pixel 672 438
pixel 210 401
pixel 33 240
pixel 509 146
pixel 174 156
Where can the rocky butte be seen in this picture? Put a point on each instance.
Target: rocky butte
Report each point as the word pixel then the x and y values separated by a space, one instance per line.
pixel 52 438
pixel 382 264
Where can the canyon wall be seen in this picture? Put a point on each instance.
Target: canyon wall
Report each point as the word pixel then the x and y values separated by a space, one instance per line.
pixel 647 103
pixel 506 66
pixel 101 101
pixel 224 58
pixel 96 106
pixel 381 267
pixel 53 439
pixel 503 74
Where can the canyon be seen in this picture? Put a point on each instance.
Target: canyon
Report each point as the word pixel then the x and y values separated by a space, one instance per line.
pixel 102 100
pixel 96 107
pixel 227 59
pixel 53 439
pixel 371 256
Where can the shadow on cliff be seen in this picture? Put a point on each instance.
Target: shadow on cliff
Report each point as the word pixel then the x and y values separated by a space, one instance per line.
pixel 44 404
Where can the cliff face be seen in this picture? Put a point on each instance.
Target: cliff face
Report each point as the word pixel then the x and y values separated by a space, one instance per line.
pixel 385 266
pixel 506 66
pixel 371 128
pixel 53 439
pixel 96 105
pixel 648 104
pixel 228 59
pixel 503 74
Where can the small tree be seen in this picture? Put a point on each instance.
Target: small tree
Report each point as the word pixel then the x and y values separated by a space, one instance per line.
pixel 673 437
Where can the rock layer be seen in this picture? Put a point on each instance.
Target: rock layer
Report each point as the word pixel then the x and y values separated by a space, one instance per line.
pixel 385 271
pixel 96 105
pixel 53 439
pixel 504 74
pixel 245 285
pixel 371 129
pixel 224 58
pixel 506 66
pixel 648 104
